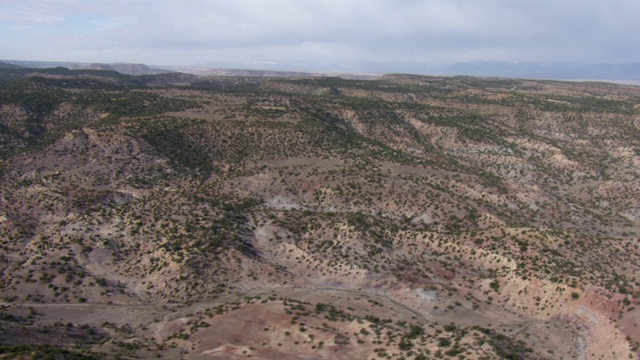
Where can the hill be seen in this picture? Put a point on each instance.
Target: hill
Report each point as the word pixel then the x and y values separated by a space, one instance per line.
pixel 4 65
pixel 405 217
pixel 129 69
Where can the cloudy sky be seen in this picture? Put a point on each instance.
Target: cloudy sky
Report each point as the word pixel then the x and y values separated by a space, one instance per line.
pixel 433 32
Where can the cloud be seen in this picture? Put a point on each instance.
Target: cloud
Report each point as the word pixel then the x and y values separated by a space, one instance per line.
pixel 435 31
pixel 23 15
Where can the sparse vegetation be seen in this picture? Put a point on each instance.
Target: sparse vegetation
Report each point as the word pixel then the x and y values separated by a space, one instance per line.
pixel 401 210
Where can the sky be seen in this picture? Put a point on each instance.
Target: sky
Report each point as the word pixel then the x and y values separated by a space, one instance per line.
pixel 210 32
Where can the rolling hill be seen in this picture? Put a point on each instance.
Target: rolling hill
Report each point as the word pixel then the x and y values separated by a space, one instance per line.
pixel 315 217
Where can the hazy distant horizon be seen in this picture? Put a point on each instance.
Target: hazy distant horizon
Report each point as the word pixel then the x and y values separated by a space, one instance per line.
pixel 618 73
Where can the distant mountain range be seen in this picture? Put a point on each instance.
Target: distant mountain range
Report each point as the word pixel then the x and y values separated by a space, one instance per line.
pixel 624 73
pixel 123 68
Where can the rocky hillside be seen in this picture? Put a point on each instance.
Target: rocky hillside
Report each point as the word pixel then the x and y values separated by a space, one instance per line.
pixel 318 218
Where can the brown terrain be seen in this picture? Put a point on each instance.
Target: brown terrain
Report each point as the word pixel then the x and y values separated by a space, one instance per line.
pixel 407 217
